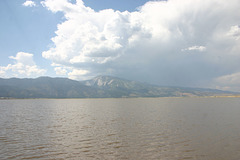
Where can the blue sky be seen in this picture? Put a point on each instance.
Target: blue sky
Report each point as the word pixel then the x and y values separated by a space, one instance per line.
pixel 194 43
pixel 30 29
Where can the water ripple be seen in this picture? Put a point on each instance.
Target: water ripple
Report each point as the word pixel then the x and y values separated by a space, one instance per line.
pixel 117 129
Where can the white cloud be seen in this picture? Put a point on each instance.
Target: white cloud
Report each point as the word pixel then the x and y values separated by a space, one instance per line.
pixel 24 66
pixel 60 71
pixel 24 58
pixel 2 72
pixel 233 79
pixel 145 44
pixel 91 37
pixel 234 32
pixel 229 82
pixel 77 74
pixel 195 48
pixel 29 3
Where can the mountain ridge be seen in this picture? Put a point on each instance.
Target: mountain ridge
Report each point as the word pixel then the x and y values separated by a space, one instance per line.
pixel 98 87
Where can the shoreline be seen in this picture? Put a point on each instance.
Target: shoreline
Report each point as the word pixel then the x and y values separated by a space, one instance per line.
pixel 216 96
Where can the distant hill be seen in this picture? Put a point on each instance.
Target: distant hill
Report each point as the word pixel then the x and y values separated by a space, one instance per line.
pixel 45 87
pixel 120 87
pixel 98 87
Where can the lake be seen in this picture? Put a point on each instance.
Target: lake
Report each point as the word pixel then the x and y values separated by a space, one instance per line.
pixel 131 128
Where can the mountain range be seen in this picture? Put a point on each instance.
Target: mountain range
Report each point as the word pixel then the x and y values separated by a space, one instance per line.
pixel 98 87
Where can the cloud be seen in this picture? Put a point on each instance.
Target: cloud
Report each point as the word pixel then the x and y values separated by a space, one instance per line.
pixel 234 32
pixel 29 3
pixel 60 71
pixel 24 58
pixel 229 82
pixel 149 44
pixel 195 48
pixel 77 74
pixel 24 66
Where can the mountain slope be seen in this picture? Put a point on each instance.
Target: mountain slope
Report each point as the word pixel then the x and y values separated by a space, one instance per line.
pixel 98 87
pixel 44 87
pixel 117 87
pixel 109 82
pixel 126 88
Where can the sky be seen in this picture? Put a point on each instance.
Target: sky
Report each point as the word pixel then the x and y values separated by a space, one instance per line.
pixel 190 43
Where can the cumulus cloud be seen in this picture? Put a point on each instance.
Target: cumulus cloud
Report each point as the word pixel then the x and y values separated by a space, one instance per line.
pixel 29 3
pixel 77 74
pixel 24 58
pixel 234 32
pixel 60 71
pixel 148 44
pixel 24 66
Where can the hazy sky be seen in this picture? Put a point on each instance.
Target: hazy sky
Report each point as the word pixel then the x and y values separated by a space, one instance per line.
pixel 194 43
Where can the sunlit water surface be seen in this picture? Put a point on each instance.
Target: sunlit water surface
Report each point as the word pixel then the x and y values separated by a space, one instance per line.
pixel 141 128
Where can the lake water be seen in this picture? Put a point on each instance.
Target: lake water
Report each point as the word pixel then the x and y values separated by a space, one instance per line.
pixel 138 128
